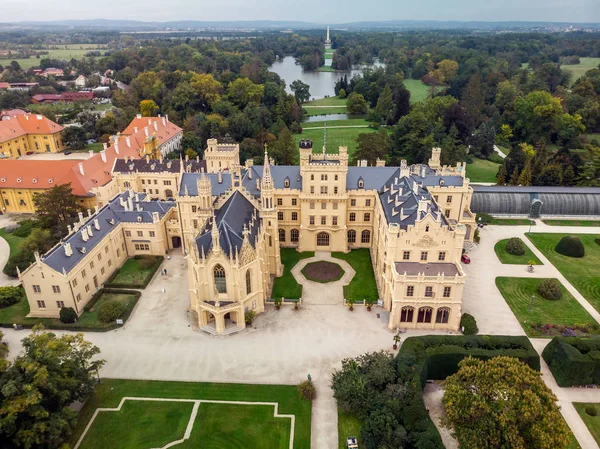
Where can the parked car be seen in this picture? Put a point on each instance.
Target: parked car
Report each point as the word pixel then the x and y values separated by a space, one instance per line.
pixel 465 259
pixel 351 443
pixel 66 153
pixel 29 153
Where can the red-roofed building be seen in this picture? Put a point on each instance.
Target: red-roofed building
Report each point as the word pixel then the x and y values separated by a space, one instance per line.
pixel 4 85
pixel 66 96
pixel 24 133
pixel 10 112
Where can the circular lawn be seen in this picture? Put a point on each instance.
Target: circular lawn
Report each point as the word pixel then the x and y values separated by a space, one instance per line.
pixel 322 271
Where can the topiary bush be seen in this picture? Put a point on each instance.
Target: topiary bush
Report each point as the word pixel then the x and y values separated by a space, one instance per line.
pixel 515 246
pixel 68 315
pixel 570 246
pixel 469 325
pixel 307 390
pixel 550 289
pixel 110 311
pixel 591 410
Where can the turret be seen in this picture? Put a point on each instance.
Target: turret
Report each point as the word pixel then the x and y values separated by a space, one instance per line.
pixel 267 190
pixel 214 232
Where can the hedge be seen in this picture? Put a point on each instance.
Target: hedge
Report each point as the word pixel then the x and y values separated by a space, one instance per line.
pixel 110 284
pixel 573 361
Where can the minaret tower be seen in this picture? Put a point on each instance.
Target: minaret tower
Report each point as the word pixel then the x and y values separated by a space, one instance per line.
pixel 268 214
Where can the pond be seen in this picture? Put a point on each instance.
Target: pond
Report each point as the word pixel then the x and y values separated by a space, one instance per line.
pixel 321 83
pixel 322 118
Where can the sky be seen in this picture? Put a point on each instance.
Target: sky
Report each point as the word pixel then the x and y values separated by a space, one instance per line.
pixel 317 11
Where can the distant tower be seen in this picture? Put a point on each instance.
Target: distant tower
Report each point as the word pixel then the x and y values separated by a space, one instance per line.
pixel 327 40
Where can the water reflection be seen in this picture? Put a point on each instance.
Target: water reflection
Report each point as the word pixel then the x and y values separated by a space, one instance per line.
pixel 321 83
pixel 328 117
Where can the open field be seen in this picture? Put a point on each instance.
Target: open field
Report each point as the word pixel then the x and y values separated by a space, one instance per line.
pixel 482 170
pixel 347 122
pixel 95 147
pixel 592 422
pixel 218 424
pixel 418 90
pixel 66 54
pixel 567 311
pixel 578 70
pixel 363 285
pixel 508 258
pixel 286 285
pixel 335 138
pixel 582 273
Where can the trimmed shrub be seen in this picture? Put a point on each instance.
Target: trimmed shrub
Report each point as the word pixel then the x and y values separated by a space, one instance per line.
pixel 68 315
pixel 591 410
pixel 10 296
pixel 550 289
pixel 307 390
pixel 570 246
pixel 515 246
pixel 249 317
pixel 25 228
pixel 110 311
pixel 573 361
pixel 468 324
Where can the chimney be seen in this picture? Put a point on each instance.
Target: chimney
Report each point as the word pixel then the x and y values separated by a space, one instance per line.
pixel 155 217
pixel 167 117
pixel 39 116
pixel 96 224
pixel 105 146
pixel 128 142
pixel 70 228
pixel 135 129
pixel 90 231
pixel 103 155
pixel 117 147
pixel 81 169
pixel 84 234
pixel 155 126
pixel 220 176
pixel 146 131
pixel 68 250
pixel 423 203
pixel 89 211
pixel 149 121
pixel 380 163
pixel 147 159
pixel 404 169
pixel 138 116
pixel 250 173
pixel 96 209
pixel 164 121
pixel 129 203
pixel 80 216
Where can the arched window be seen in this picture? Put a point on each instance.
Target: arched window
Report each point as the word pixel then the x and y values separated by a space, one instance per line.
pixel 220 280
pixel 248 282
pixel 351 236
pixel 442 315
pixel 294 235
pixel 322 239
pixel 407 314
pixel 282 235
pixel 365 236
pixel 424 315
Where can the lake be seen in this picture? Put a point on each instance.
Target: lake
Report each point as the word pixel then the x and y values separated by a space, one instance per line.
pixel 321 83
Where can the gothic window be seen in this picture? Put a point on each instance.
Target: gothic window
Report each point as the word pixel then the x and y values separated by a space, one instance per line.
pixel 365 236
pixel 282 235
pixel 367 216
pixel 294 216
pixel 424 315
pixel 280 216
pixel 429 291
pixel 406 314
pixel 220 280
pixel 442 315
pixel 294 235
pixel 322 239
pixel 352 216
pixel 442 255
pixel 447 292
pixel 248 282
pixel 280 201
pixel 351 236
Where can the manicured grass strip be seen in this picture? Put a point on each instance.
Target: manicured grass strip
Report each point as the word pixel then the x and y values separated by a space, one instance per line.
pixel 566 311
pixel 578 70
pixel 348 426
pixel 286 285
pixel 329 101
pixel 582 273
pixel 363 285
pixel 591 422
pixel 327 68
pixel 590 223
pixel 512 259
pixel 231 423
pixel 335 138
pixel 136 272
pixel 482 170
pixel 330 123
pixel 15 243
pixel 505 221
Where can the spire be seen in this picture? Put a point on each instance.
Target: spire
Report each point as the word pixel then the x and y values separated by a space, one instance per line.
pixel 267 179
pixel 216 248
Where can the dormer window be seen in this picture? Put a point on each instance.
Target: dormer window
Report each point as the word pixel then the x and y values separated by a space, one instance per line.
pixel 286 182
pixel 361 184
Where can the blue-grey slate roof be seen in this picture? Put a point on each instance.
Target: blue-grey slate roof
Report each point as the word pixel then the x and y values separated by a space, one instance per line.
pixel 108 218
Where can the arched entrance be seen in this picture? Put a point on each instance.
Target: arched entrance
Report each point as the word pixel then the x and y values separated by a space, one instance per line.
pixel 322 239
pixel 176 241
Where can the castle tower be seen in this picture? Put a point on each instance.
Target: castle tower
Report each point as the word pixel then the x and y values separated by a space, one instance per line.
pixel 269 217
pixel 435 160
pixel 205 193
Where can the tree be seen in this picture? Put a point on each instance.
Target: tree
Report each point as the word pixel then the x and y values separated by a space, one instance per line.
pixel 385 106
pixel 568 178
pixel 283 150
pixel 473 98
pixel 40 240
pixel 301 91
pixel 38 388
pixel 356 104
pixel 56 208
pixel 483 140
pixel 148 108
pixel 514 178
pixel 341 94
pixel 208 90
pixel 453 150
pixel 74 137
pixel 551 175
pixel 448 68
pixel 502 403
pixel 243 91
pixel 525 177
pixel 373 146
pixel 535 115
pixel 501 176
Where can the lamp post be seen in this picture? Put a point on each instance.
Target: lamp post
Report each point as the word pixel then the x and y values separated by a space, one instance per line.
pixel 531 302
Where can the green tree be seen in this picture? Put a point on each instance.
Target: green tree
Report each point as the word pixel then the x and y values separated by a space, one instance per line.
pixel 535 116
pixel 568 178
pixel 38 388
pixel 502 403
pixel 301 91
pixel 525 176
pixel 39 240
pixel 74 137
pixel 342 94
pixel 514 178
pixel 453 150
pixel 501 176
pixel 356 104
pixel 56 208
pixel 3 354
pixel 208 90
pixel 448 69
pixel 551 175
pixel 385 106
pixel 242 91
pixel 148 108
pixel 283 150
pixel 373 146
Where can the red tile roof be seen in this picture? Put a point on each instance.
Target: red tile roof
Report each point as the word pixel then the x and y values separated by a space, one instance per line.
pixel 66 96
pixel 21 124
pixel 4 85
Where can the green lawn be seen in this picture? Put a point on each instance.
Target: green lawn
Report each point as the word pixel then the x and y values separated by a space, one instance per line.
pixel 286 285
pixel 418 90
pixel 310 111
pixel 348 426
pixel 329 55
pixel 363 285
pixel 95 147
pixel 512 259
pixel 13 241
pixel 146 424
pixel 592 422
pixel 329 101
pixel 135 272
pixel 327 68
pixel 335 138
pixel 517 293
pixel 66 54
pixel 582 273
pixel 482 170
pixel 330 123
pixel 578 70
pixel 572 222
pixel 509 221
